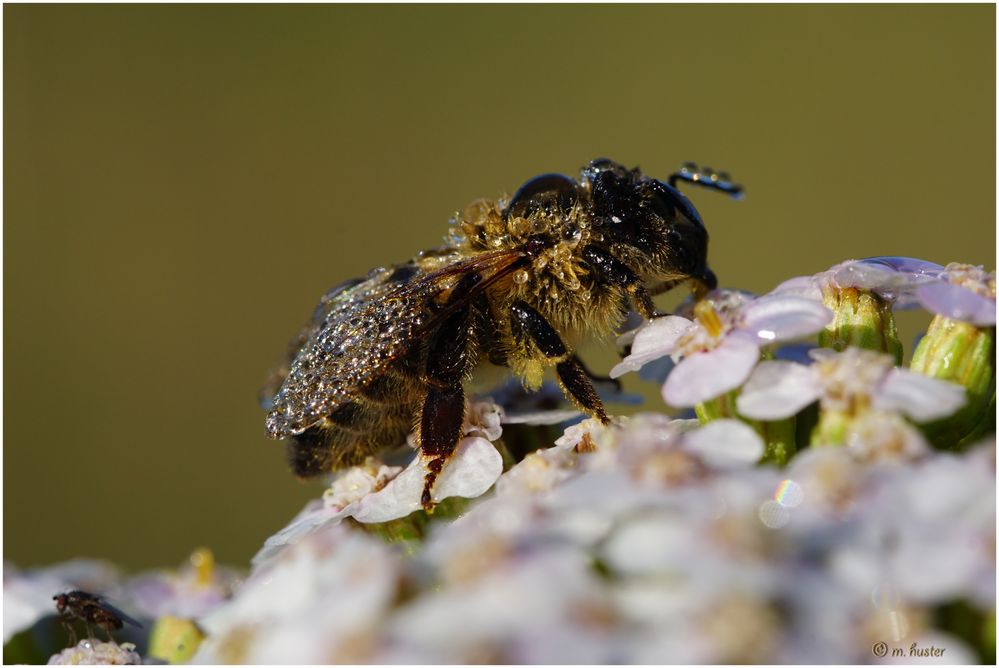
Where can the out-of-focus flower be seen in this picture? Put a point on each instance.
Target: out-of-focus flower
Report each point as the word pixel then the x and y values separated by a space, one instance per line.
pixel 878 436
pixel 188 593
pixel 317 602
pixel 656 448
pixel 716 352
pixel 174 640
pixel 537 604
pixel 27 595
pixel 95 653
pixel 849 383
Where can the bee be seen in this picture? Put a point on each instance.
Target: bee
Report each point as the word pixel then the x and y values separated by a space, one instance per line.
pixel 518 283
pixel 91 609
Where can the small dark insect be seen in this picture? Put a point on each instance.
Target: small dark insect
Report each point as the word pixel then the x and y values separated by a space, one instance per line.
pixel 91 609
pixel 517 284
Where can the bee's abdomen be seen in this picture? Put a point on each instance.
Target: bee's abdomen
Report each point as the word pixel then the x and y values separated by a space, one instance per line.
pixel 378 417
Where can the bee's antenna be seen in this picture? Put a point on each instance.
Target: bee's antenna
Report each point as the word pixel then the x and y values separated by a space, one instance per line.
pixel 707 178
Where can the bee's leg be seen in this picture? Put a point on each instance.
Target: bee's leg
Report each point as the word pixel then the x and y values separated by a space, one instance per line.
pixel 443 412
pixel 616 271
pixel 595 378
pixel 571 373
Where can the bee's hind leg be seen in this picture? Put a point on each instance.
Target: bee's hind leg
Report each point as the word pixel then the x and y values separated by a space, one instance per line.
pixel 572 375
pixel 443 413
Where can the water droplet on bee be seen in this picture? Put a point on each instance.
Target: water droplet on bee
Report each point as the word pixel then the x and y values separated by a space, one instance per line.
pixel 520 277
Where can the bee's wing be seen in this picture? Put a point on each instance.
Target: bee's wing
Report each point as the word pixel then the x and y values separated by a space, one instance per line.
pixel 361 330
pixel 355 290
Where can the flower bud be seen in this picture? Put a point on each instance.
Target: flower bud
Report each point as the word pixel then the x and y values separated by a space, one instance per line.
pixel 861 319
pixel 965 354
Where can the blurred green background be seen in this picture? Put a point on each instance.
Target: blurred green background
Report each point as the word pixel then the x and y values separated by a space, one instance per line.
pixel 183 182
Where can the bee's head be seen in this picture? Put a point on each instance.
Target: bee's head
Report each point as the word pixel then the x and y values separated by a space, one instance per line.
pixel 647 223
pixel 61 601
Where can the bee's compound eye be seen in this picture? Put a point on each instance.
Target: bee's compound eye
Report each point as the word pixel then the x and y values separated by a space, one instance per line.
pixel 542 192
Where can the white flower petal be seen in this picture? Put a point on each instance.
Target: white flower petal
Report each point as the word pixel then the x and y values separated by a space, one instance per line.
pixel 880 275
pixel 777 390
pixel 958 303
pixel 473 469
pixel 800 286
pixel 26 600
pixel 397 499
pixel 312 518
pixel 779 318
pixel 654 340
pixel 726 444
pixel 706 375
pixel 922 399
pixel 470 472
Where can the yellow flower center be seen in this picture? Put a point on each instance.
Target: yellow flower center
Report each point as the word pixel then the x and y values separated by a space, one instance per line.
pixel 203 562
pixel 708 318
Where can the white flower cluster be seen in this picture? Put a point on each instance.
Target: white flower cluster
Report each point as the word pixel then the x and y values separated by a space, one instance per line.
pixel 650 541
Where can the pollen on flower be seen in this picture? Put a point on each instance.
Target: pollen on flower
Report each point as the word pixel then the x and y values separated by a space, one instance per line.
pixel 708 318
pixel 715 316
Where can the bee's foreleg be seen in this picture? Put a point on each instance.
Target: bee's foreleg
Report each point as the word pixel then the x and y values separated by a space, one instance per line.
pixel 443 413
pixel 616 272
pixel 571 374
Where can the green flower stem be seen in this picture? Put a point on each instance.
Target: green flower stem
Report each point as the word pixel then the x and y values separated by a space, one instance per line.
pixel 960 353
pixel 861 319
pixel 778 437
pixel 720 407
